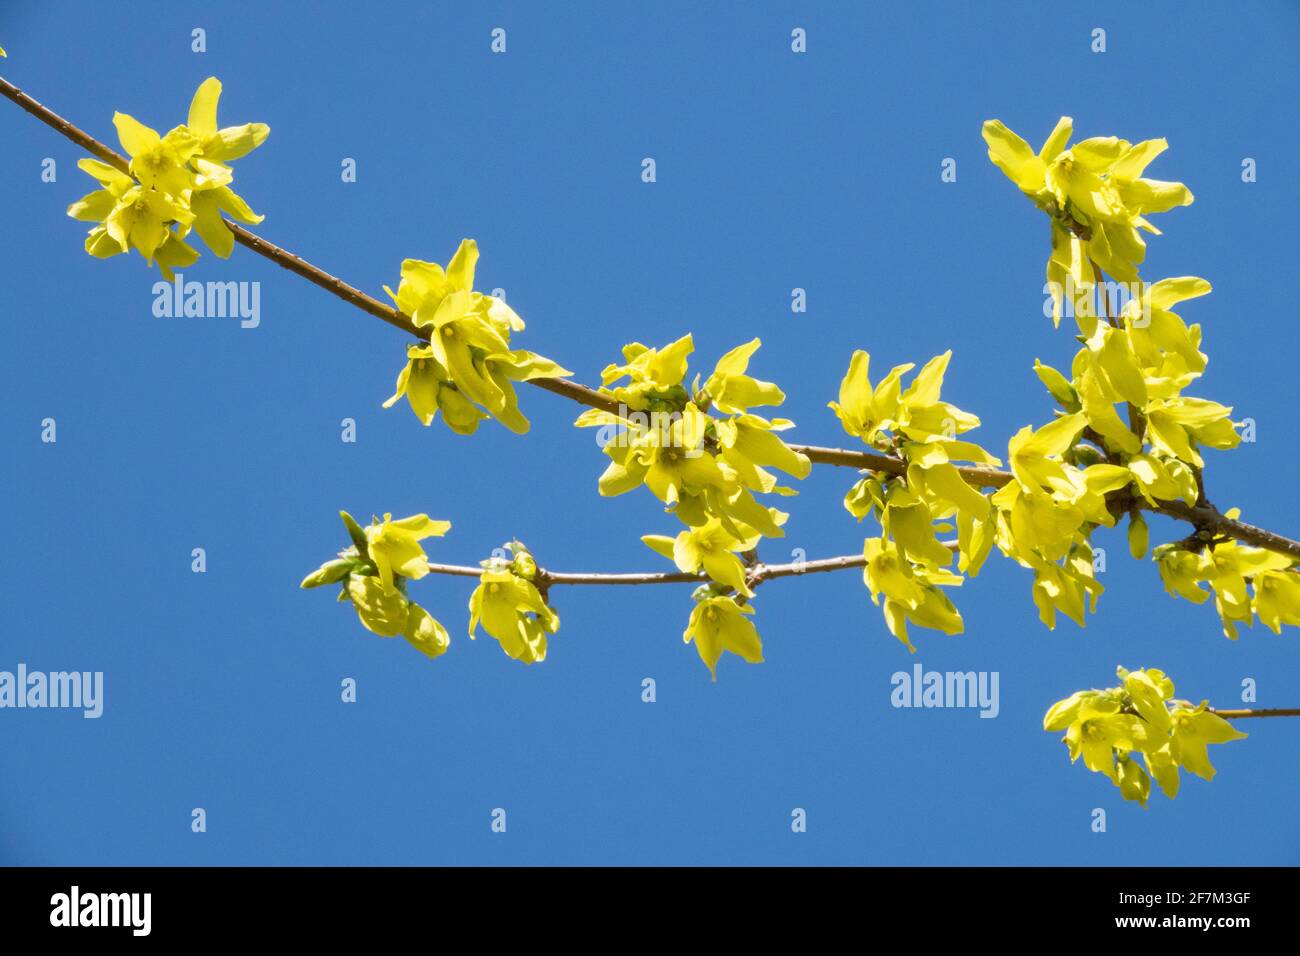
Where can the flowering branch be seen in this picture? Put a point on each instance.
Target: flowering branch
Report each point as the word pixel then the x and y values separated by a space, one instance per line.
pixel 1203 516
pixel 1059 488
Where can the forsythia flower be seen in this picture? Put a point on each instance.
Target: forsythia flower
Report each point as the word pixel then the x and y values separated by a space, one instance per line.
pixel 468 360
pixel 217 148
pixel 1095 195
pixel 911 591
pixel 1046 515
pixel 908 563
pixel 1108 728
pixel 132 217
pixel 1277 599
pixel 177 181
pixel 732 391
pixel 394 546
pixel 655 376
pixel 1229 568
pixel 718 624
pixel 373 573
pixel 1193 729
pixel 712 548
pixel 429 389
pixel 887 416
pixel 511 608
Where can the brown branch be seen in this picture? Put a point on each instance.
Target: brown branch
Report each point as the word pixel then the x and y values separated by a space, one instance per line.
pixel 60 125
pixel 1265 712
pixel 873 461
pixel 1204 517
pixel 757 574
pixel 1211 519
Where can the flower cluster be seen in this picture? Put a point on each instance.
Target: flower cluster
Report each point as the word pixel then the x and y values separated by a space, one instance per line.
pixel 1246 582
pixel 907 565
pixel 1094 193
pixel 718 624
pixel 1110 728
pixel 706 468
pixel 466 368
pixel 1141 358
pixel 178 183
pixel 510 607
pixel 373 572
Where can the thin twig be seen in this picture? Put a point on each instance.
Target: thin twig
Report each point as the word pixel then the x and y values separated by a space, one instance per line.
pixel 757 574
pixel 1265 712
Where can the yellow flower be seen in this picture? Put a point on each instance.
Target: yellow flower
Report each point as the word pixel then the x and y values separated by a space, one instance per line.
pixel 915 415
pixel 382 608
pixel 512 610
pixel 386 611
pixel 183 183
pixel 380 600
pixel 718 624
pixel 425 633
pixel 672 461
pixel 217 149
pixel 141 220
pixel 1277 598
pixel 1097 198
pixel 1098 733
pixel 749 442
pixel 221 145
pixel 394 546
pixel 1133 782
pixel 1013 155
pixel 159 162
pixel 712 548
pixel 1070 587
pixel 655 374
pixel 911 591
pixel 1193 730
pixel 1183 572
pixel 469 339
pixel 420 380
pixel 1108 728
pixel 732 391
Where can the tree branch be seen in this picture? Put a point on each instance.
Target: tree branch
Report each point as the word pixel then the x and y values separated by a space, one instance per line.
pixel 1265 712
pixel 756 574
pixel 1204 517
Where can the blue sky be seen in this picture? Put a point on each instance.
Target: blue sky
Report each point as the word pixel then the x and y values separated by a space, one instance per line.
pixel 775 171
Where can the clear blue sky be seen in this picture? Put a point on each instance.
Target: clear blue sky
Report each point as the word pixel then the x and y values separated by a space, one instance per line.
pixel 775 170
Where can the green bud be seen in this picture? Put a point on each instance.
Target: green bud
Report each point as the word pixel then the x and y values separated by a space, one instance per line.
pixel 330 572
pixel 355 532
pixel 1137 535
pixel 1086 455
pixel 524 566
pixel 1058 386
